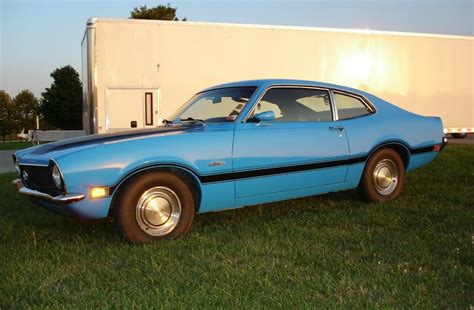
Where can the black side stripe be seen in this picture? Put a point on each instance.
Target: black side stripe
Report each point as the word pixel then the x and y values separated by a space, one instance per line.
pixel 278 170
pixel 289 169
pixel 421 150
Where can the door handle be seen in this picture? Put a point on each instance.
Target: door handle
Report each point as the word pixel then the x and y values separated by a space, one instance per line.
pixel 338 128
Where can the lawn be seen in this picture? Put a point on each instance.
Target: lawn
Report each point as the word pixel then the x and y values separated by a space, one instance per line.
pixel 324 251
pixel 6 146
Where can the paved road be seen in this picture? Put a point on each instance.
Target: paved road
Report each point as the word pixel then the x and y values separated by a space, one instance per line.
pixel 6 161
pixel 468 140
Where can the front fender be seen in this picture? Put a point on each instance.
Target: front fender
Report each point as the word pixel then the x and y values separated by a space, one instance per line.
pixel 108 163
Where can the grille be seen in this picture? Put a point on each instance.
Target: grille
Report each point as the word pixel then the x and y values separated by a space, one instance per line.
pixel 39 178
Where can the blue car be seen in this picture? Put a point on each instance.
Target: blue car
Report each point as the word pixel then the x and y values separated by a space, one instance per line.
pixel 230 146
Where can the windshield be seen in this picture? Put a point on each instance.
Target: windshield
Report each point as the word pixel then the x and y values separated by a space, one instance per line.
pixel 215 106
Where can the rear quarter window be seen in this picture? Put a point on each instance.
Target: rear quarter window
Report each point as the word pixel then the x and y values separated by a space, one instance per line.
pixel 350 107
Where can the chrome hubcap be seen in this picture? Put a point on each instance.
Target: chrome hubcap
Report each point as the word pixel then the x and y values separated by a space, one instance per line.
pixel 158 211
pixel 385 177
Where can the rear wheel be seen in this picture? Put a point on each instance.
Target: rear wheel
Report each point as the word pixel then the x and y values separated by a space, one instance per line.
pixel 383 177
pixel 154 206
pixel 459 135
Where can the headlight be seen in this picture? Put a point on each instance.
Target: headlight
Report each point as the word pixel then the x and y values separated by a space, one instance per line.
pixel 58 180
pixel 17 165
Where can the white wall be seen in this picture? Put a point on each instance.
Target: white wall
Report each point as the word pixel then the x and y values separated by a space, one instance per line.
pixel 429 75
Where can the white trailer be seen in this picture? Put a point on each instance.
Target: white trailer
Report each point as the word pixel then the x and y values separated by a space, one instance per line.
pixel 137 72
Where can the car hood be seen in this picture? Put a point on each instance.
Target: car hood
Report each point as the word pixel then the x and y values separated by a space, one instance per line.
pixel 112 137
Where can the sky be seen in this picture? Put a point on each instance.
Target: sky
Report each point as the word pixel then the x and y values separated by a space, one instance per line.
pixel 38 36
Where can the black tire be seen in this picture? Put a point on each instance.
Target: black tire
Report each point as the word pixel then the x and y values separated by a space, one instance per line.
pixel 459 135
pixel 372 188
pixel 128 221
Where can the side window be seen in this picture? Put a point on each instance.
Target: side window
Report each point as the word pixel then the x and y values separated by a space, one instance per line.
pixel 296 105
pixel 349 107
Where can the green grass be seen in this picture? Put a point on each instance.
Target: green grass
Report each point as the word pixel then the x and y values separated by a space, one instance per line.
pixel 6 146
pixel 324 251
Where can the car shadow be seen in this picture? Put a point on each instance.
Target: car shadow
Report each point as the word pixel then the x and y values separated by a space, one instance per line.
pixel 45 224
pixel 299 207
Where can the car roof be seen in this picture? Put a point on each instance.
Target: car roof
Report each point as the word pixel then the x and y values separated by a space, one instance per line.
pixel 273 82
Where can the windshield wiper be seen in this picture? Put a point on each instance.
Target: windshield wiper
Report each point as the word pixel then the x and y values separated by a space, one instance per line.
pixel 190 119
pixel 167 122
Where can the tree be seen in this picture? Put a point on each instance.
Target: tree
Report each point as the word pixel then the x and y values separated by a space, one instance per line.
pixel 7 114
pixel 160 12
pixel 27 108
pixel 62 102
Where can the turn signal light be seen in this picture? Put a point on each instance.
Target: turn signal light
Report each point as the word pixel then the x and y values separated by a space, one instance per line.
pixel 436 148
pixel 99 192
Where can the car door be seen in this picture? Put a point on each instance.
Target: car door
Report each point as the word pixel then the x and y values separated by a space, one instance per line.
pixel 302 147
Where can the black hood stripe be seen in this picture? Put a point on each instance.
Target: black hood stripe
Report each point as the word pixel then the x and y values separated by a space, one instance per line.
pixel 102 138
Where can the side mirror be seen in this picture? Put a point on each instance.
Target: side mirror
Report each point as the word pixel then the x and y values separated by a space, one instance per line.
pixel 266 116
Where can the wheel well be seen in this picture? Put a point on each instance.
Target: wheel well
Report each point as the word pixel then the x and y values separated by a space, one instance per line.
pixel 189 178
pixel 401 149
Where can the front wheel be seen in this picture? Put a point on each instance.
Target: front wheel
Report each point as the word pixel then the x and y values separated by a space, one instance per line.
pixel 383 177
pixel 154 206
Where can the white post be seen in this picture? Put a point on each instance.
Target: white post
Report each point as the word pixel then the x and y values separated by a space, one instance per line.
pixel 37 122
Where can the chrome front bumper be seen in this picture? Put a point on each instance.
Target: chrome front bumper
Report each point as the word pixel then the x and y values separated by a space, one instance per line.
pixel 67 198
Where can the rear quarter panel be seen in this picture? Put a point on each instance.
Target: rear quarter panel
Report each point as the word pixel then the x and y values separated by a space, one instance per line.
pixel 392 124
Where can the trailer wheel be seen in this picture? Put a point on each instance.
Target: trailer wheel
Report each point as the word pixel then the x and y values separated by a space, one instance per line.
pixel 154 206
pixel 383 177
pixel 459 135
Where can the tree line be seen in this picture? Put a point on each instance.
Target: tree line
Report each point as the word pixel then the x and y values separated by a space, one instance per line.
pixel 159 12
pixel 60 106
